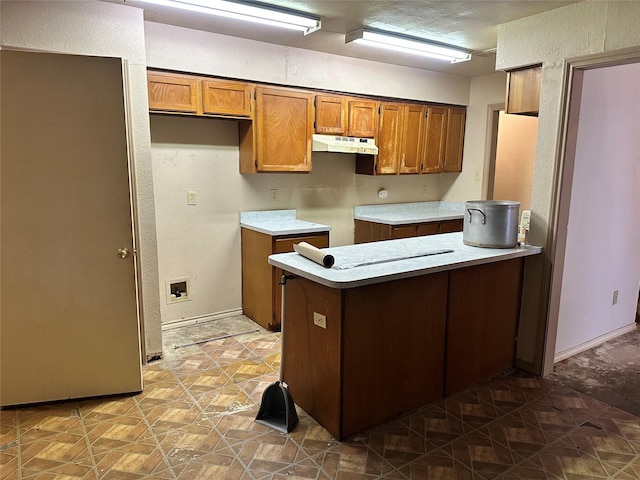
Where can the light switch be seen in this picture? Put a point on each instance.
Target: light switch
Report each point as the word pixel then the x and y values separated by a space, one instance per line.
pixel 191 197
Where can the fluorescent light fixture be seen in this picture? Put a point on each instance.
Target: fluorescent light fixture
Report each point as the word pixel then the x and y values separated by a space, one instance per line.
pixel 249 11
pixel 407 44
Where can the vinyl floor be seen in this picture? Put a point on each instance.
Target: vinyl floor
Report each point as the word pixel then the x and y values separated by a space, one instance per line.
pixel 195 420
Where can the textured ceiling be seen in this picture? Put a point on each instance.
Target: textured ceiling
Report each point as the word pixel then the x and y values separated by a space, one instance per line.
pixel 469 24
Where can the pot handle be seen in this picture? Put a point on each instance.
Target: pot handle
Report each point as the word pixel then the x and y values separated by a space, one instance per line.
pixel 484 217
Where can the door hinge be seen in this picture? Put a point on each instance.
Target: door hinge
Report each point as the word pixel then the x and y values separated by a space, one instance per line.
pixel 256 163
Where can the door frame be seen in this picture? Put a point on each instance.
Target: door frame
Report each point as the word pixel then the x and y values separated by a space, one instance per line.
pixel 561 195
pixel 126 89
pixel 493 120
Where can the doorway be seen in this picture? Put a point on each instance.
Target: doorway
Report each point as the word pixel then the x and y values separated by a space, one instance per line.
pixel 513 164
pixel 594 286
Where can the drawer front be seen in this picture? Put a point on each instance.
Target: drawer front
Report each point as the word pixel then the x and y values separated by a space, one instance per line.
pixel 448 226
pixel 403 232
pixel 284 245
pixel 428 229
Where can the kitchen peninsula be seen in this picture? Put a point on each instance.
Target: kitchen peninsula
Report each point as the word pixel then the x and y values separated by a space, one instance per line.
pixel 396 324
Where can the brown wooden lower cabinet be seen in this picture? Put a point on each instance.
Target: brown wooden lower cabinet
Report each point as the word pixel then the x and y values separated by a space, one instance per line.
pixel 261 294
pixel 392 347
pixel 365 231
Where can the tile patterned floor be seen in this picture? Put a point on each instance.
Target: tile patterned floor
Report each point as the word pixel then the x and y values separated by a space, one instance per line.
pixel 195 420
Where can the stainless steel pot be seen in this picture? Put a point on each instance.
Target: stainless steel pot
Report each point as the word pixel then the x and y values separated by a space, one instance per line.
pixel 491 223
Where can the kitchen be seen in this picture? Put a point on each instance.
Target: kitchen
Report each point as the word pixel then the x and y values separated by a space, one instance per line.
pixel 326 196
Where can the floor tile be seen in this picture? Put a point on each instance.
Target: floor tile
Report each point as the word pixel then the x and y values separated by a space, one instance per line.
pixel 195 420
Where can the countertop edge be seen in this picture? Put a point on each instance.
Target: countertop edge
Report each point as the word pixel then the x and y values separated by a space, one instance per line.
pixel 520 252
pixel 435 217
pixel 291 231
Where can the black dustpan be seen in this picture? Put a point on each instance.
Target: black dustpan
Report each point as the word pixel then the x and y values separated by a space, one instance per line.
pixel 277 409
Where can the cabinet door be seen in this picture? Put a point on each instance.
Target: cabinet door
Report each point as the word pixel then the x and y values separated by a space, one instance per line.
pixel 284 127
pixel 523 91
pixel 430 228
pixel 170 92
pixel 222 97
pixel 331 115
pixel 284 245
pixel 435 136
pixel 455 140
pixel 362 118
pixel 389 138
pixel 412 138
pixel 448 226
pixel 403 231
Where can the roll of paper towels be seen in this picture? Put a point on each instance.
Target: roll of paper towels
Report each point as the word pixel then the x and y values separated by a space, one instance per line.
pixel 314 253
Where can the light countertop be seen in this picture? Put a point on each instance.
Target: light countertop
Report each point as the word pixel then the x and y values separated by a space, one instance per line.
pixel 348 271
pixel 403 213
pixel 279 222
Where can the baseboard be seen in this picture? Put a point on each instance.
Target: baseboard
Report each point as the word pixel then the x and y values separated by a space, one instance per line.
pixel 184 322
pixel 570 352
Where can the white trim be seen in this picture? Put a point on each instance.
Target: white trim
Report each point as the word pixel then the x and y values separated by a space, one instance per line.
pixel 570 352
pixel 184 322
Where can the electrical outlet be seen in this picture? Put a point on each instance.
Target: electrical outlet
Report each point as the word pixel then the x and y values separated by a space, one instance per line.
pixel 425 190
pixel 615 297
pixel 477 175
pixel 274 194
pixel 191 197
pixel 319 320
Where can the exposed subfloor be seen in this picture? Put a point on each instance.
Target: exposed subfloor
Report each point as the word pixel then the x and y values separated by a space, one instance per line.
pixel 195 420
pixel 609 372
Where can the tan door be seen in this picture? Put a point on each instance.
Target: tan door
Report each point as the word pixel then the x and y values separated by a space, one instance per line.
pixel 69 324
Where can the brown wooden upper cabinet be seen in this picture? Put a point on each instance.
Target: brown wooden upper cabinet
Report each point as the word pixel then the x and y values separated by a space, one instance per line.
pixel 363 115
pixel 435 137
pixel 389 138
pixel 170 92
pixel 416 138
pixel 523 91
pixel 331 115
pixel 454 142
pixel 189 94
pixel 223 97
pixel 341 115
pixel 279 138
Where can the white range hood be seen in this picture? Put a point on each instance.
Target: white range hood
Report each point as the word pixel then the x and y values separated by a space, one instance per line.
pixel 337 144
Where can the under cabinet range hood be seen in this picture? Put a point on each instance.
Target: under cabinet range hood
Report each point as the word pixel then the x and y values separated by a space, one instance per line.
pixel 337 144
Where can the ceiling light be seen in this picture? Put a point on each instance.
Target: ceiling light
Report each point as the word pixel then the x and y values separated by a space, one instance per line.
pixel 250 11
pixel 407 44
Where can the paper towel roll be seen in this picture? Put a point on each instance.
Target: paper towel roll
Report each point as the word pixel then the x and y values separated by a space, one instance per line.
pixel 313 253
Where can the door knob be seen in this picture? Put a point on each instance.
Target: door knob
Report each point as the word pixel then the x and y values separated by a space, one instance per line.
pixel 123 252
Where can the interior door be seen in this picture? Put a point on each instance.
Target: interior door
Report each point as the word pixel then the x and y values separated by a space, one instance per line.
pixel 68 301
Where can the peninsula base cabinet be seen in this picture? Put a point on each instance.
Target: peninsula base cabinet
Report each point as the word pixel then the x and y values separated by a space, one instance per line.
pixel 389 348
pixel 261 292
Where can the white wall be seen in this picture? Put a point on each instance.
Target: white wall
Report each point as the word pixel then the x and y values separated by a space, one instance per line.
pixel 551 38
pixel 203 241
pixel 603 231
pixel 485 93
pixel 104 29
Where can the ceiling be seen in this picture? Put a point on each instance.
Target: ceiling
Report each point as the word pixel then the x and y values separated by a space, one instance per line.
pixel 470 24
